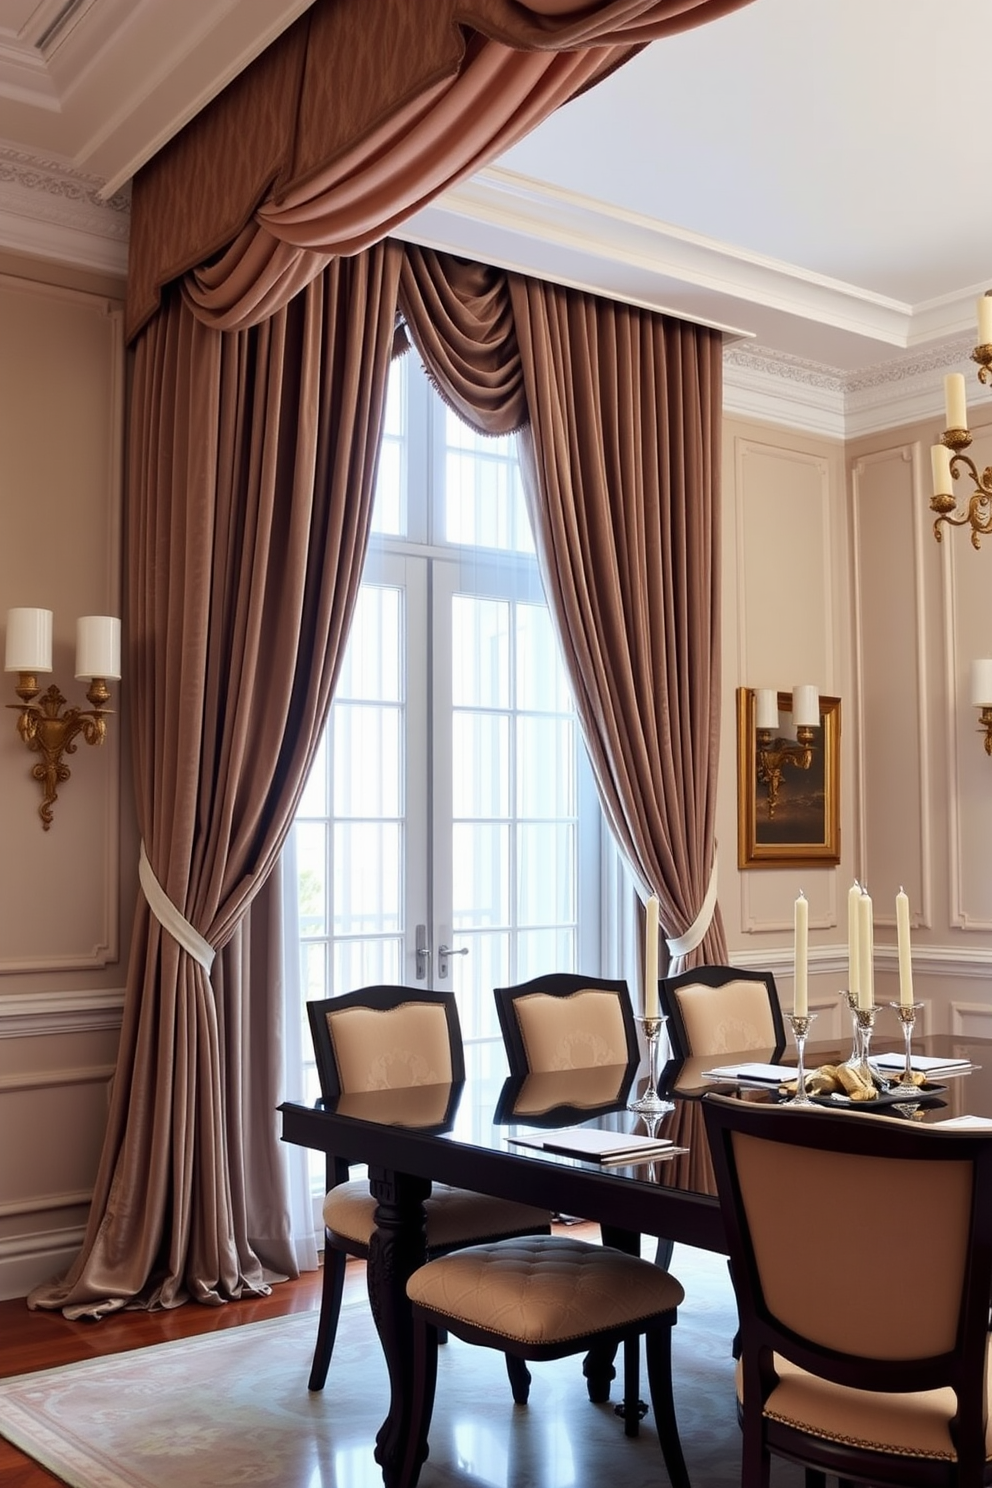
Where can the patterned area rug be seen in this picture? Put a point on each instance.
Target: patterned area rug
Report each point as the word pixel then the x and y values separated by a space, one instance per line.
pixel 232 1408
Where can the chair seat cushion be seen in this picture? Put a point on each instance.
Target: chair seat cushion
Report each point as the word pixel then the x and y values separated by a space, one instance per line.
pixel 915 1424
pixel 455 1216
pixel 544 1289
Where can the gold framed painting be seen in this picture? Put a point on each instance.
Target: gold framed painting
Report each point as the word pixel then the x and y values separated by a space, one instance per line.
pixel 788 791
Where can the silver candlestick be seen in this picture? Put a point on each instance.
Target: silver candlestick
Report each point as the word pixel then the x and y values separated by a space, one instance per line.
pixel 800 1022
pixel 907 1017
pixel 651 1103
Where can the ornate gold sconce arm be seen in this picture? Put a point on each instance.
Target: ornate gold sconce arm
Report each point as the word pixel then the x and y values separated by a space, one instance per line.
pixel 772 756
pixel 978 514
pixel 52 733
pixel 985 722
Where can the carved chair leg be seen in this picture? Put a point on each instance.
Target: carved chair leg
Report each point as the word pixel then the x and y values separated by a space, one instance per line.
pixel 597 1366
pixel 519 1377
pixel 332 1288
pixel 658 1345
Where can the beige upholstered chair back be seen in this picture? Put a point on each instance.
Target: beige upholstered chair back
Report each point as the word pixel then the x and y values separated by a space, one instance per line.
pixel 580 1031
pixel 726 1020
pixel 392 1048
pixel 839 1244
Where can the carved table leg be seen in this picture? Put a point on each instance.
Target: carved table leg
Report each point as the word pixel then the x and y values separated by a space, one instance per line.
pixel 396 1249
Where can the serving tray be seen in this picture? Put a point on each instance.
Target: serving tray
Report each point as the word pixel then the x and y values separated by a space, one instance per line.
pixel 916 1095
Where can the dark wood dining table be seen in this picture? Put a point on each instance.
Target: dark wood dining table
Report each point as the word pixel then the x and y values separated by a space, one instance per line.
pixel 463 1135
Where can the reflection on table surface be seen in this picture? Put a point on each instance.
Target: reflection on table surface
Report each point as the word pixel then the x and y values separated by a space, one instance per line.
pixel 488 1108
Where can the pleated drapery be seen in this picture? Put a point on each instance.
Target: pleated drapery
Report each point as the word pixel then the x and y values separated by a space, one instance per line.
pixel 254 431
pixel 620 416
pixel 251 480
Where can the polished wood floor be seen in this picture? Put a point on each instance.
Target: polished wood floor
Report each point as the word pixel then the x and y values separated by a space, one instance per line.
pixel 43 1340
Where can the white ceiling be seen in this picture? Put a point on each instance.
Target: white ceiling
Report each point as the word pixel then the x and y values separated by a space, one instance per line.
pixel 811 173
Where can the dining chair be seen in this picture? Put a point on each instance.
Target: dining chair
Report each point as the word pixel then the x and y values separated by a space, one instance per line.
pixel 861 1255
pixel 565 1021
pixel 721 1010
pixel 394 1038
pixel 544 1297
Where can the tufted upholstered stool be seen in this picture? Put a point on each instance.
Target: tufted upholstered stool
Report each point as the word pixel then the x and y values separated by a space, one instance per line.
pixel 864 1330
pixel 544 1297
pixel 388 1038
pixel 721 1010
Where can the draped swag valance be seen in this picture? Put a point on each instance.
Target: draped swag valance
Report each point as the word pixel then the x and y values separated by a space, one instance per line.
pixel 354 83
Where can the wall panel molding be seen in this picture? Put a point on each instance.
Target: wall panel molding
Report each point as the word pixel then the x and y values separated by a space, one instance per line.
pixel 91 1074
pixel 63 516
pixel 823 909
pixel 892 478
pixel 971 1019
pixel 966 786
pixel 45 1203
pixel 937 961
pixel 38 1014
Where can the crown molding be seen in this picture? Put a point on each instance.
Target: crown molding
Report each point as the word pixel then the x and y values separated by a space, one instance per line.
pixel 808 396
pixel 51 210
pixel 628 253
pixel 784 390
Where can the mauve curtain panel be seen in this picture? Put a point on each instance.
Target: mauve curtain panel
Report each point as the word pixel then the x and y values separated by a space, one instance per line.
pixel 620 411
pixel 253 457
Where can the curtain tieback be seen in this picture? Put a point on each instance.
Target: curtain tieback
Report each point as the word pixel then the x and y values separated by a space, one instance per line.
pixel 681 945
pixel 169 917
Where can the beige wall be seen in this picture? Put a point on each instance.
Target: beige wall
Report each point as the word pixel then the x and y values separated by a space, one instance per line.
pixel 68 893
pixel 786 620
pixel 831 574
pixel 924 613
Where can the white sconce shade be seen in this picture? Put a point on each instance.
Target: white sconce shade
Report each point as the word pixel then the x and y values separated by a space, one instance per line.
pixel 98 646
pixel 981 684
pixel 766 708
pixel 29 641
pixel 806 707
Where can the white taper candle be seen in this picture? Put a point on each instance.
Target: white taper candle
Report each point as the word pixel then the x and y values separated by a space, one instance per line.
pixel 866 970
pixel 905 951
pixel 801 958
pixel 853 965
pixel 651 958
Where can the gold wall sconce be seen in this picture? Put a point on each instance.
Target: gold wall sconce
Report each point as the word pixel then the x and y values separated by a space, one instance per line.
pixel 773 752
pixel 948 459
pixel 981 697
pixel 46 725
pixel 947 462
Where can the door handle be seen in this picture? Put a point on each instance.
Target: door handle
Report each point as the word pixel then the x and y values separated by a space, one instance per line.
pixel 423 954
pixel 443 952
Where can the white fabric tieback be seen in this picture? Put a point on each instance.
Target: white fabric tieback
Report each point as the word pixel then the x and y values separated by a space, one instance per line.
pixel 169 917
pixel 681 945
